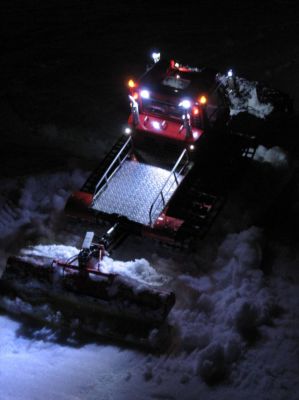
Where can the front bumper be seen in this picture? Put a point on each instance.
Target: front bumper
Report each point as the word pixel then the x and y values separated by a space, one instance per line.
pixel 165 128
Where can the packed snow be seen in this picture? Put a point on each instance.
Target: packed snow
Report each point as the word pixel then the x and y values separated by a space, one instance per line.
pixel 139 269
pixel 36 202
pixel 275 156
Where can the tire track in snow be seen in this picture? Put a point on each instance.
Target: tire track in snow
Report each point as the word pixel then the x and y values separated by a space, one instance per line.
pixel 11 218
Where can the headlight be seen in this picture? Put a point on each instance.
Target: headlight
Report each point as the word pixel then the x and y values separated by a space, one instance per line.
pixel 156 57
pixel 156 125
pixel 185 104
pixel 145 94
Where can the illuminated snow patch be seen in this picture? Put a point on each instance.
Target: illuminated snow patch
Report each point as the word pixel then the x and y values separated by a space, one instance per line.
pixel 275 156
pixel 257 108
pixel 245 99
pixel 55 251
pixel 214 313
pixel 139 269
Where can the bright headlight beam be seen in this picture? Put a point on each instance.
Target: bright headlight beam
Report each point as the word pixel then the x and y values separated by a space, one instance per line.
pixel 145 94
pixel 156 124
pixel 156 57
pixel 185 104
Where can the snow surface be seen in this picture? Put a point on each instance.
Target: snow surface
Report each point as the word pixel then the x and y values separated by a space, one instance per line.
pixel 31 210
pixel 233 325
pixel 274 156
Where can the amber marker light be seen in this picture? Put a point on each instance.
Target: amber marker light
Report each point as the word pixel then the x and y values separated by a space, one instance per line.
pixel 131 84
pixel 203 100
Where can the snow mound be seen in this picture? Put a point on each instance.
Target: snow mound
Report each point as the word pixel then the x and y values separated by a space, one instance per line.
pixel 55 251
pixel 275 156
pixel 33 207
pixel 244 98
pixel 139 269
pixel 212 365
pixel 217 316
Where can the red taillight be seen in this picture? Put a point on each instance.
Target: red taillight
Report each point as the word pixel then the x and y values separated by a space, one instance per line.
pixel 195 111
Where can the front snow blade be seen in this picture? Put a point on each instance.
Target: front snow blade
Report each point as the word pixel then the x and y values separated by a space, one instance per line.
pixel 107 305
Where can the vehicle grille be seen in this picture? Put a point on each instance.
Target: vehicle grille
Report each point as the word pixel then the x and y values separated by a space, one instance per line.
pixel 161 109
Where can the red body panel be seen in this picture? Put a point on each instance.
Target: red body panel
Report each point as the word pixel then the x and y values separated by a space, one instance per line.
pixel 164 229
pixel 78 205
pixel 166 222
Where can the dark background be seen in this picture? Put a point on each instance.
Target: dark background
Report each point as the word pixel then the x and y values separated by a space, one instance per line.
pixel 65 63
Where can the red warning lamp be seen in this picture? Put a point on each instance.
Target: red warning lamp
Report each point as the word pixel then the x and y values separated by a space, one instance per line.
pixel 195 111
